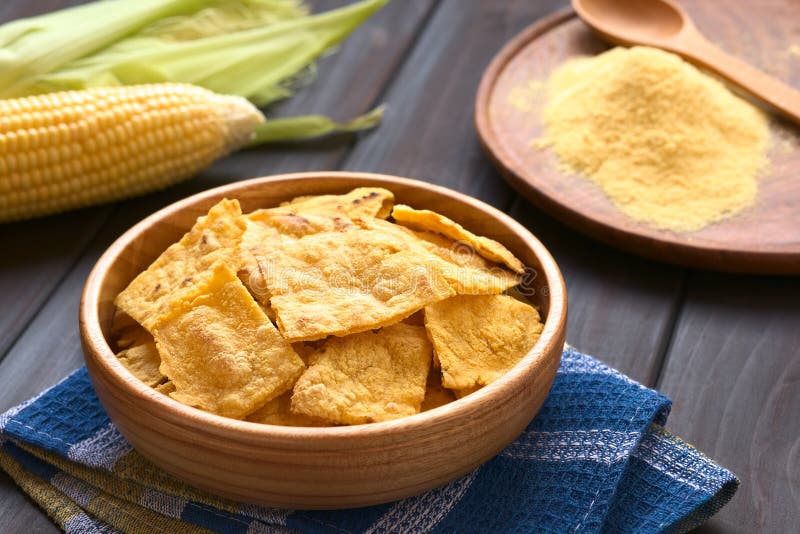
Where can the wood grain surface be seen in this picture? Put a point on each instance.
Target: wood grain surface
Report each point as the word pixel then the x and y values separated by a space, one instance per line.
pixel 733 371
pixel 648 319
pixel 765 238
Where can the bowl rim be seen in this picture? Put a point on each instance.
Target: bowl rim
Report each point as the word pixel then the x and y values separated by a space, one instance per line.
pixel 97 348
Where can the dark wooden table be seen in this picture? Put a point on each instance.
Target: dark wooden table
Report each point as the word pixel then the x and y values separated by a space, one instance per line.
pixel 725 348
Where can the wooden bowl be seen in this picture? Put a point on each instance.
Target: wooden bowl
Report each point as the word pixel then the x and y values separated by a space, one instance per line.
pixel 321 468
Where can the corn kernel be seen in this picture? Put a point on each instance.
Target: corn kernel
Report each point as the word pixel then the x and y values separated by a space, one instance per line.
pixel 67 150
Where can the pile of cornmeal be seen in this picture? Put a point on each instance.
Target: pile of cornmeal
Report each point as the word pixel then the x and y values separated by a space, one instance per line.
pixel 325 310
pixel 668 144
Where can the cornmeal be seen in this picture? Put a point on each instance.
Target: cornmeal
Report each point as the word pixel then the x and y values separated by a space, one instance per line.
pixel 668 144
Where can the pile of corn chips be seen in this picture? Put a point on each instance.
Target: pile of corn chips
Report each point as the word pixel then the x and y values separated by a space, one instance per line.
pixel 322 312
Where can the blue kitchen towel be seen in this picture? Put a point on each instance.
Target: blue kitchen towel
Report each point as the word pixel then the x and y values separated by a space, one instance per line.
pixel 595 459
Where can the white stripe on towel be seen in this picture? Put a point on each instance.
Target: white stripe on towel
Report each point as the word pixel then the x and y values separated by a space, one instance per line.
pixel 602 446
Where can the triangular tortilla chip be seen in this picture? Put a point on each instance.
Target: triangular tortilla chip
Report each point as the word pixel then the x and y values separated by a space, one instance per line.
pixel 340 283
pixel 360 202
pixel 434 222
pixel 318 255
pixel 266 231
pixel 296 225
pixel 467 272
pixel 478 338
pixel 366 377
pixel 214 237
pixel 220 351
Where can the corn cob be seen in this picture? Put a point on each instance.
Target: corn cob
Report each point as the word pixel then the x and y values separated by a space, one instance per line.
pixel 72 149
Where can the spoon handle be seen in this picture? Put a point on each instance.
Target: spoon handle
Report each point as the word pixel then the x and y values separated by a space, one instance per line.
pixel 771 90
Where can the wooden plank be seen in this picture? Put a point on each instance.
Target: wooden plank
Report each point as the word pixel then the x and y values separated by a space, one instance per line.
pixel 348 83
pixel 50 346
pixel 733 372
pixel 19 513
pixel 36 254
pixel 48 350
pixel 428 133
pixel 621 307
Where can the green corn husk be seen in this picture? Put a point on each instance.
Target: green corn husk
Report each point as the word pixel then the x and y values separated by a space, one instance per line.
pixel 254 63
pixel 258 49
pixel 225 17
pixel 38 45
pixel 308 126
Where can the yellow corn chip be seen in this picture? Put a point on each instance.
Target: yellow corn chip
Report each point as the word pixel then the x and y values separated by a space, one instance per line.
pixel 221 351
pixel 143 362
pixel 277 412
pixel 266 230
pixel 467 272
pixel 366 377
pixel 255 236
pixel 432 221
pixel 435 393
pixel 360 202
pixel 339 283
pixel 290 250
pixel 294 226
pixel 478 338
pixel 265 233
pixel 166 388
pixel 213 238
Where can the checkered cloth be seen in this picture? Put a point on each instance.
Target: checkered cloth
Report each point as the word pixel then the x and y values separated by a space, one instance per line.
pixel 596 458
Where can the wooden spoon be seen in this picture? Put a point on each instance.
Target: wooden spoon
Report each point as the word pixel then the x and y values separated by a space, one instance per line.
pixel 663 24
